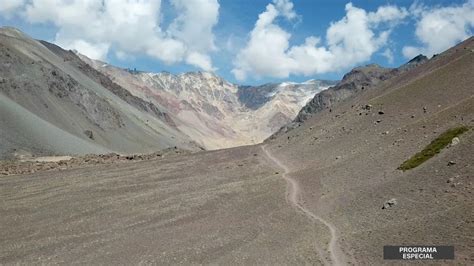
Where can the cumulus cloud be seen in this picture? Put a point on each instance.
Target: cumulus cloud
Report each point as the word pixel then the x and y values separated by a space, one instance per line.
pixel 130 26
pixel 439 28
pixel 349 41
pixel 388 53
pixel 9 7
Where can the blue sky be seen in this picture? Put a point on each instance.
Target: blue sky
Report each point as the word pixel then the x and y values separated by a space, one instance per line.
pixel 222 36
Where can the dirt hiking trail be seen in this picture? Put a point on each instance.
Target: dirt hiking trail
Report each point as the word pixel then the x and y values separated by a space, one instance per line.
pixel 294 197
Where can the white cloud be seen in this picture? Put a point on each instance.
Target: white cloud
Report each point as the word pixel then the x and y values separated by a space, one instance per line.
pixel 201 60
pixel 439 28
pixel 130 26
pixel 286 8
pixel 91 50
pixel 389 55
pixel 195 22
pixel 9 7
pixel 349 41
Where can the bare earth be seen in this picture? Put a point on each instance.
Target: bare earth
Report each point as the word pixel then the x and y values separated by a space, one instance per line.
pixel 221 207
pixel 295 198
pixel 229 206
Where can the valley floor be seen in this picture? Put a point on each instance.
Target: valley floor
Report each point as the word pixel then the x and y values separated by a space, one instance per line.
pixel 221 207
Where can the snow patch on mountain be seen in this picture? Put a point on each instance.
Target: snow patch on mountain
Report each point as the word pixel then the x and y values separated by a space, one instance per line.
pixel 212 111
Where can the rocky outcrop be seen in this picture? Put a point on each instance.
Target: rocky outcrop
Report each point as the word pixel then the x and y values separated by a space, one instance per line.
pixel 255 97
pixel 19 167
pixel 212 111
pixel 357 80
pixel 49 97
pixel 107 83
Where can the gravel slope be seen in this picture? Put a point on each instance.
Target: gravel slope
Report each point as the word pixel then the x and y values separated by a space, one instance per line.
pixel 70 111
pixel 346 161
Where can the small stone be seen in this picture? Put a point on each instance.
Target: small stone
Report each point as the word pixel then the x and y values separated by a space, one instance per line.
pixel 378 121
pixel 412 116
pixel 89 134
pixel 338 157
pixel 450 163
pixel 381 113
pixel 450 180
pixel 455 141
pixel 389 203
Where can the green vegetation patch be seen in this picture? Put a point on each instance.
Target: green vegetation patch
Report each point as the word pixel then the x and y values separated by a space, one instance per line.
pixel 433 148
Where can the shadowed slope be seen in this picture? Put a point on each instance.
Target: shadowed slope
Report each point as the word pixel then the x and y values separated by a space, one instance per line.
pixel 84 112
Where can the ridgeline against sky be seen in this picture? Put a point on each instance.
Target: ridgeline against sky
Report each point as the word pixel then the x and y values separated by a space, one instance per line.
pixel 245 41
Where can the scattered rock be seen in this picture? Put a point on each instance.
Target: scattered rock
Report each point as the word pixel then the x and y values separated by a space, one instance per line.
pixel 412 116
pixel 424 109
pixel 89 134
pixel 367 107
pixel 450 180
pixel 455 141
pixel 385 133
pixel 389 203
pixel 338 157
pixel 378 121
pixel 450 163
pixel 381 113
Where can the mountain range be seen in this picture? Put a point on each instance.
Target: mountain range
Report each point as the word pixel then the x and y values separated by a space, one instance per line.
pixel 58 102
pixel 383 157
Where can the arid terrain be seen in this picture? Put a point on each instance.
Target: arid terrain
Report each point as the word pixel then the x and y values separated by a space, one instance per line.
pixel 314 193
pixel 55 102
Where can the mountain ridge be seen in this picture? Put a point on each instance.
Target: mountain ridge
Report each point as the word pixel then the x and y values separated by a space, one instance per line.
pixel 352 83
pixel 122 110
pixel 212 111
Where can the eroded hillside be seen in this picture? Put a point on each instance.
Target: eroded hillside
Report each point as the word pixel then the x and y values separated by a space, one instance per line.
pixel 56 102
pixel 346 159
pixel 50 106
pixel 212 111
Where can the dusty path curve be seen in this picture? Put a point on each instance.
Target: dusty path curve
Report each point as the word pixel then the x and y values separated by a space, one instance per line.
pixel 294 197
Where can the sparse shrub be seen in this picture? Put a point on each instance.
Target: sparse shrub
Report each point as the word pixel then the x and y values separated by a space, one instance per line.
pixel 433 148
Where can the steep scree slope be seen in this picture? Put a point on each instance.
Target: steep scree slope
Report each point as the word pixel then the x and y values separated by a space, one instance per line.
pixel 345 160
pixel 213 112
pixel 51 104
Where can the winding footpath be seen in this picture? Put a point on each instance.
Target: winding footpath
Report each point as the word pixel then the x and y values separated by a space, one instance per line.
pixel 294 197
